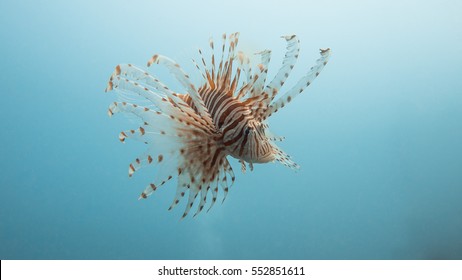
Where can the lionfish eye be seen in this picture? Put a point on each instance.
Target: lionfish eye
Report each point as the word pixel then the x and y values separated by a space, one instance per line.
pixel 247 131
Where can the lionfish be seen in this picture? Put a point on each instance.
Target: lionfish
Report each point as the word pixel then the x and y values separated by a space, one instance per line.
pixel 190 135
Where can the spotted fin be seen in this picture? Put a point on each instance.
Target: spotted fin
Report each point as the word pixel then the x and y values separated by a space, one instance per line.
pixel 180 144
pixel 259 86
pixel 284 158
pixel 301 85
pixel 288 63
pixel 183 78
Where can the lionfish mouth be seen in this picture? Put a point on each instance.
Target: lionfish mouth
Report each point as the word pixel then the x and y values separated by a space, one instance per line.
pixel 190 135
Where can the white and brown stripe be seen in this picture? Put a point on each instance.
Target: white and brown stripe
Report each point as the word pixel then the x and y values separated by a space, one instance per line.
pixel 191 135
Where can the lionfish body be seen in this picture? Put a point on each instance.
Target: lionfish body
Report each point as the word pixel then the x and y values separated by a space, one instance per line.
pixel 190 135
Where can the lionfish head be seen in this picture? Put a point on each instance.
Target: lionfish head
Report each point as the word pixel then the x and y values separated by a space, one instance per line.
pixel 249 142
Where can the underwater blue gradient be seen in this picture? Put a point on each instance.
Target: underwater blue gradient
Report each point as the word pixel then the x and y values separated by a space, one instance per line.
pixel 378 135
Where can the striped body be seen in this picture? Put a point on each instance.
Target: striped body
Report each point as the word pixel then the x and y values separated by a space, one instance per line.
pixel 242 136
pixel 189 136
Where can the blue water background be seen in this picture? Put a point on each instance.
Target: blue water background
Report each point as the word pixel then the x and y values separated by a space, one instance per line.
pixel 378 135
